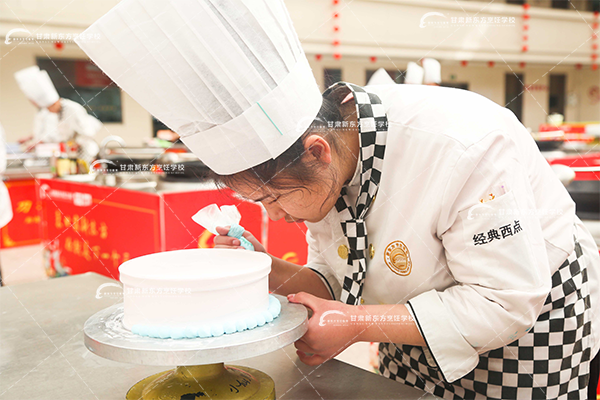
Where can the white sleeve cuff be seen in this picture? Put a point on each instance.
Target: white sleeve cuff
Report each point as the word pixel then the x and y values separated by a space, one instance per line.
pixel 454 356
pixel 329 279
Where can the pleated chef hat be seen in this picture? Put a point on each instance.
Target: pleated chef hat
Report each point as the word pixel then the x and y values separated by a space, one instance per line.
pixel 37 86
pixel 380 77
pixel 229 76
pixel 414 74
pixel 433 71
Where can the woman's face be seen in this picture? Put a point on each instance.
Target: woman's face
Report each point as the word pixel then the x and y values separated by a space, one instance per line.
pixel 309 204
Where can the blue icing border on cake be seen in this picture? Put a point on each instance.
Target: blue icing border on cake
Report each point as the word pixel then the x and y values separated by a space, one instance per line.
pixel 218 329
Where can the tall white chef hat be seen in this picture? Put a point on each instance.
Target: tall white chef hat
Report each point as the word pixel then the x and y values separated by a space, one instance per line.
pixel 414 74
pixel 37 86
pixel 433 71
pixel 381 77
pixel 229 76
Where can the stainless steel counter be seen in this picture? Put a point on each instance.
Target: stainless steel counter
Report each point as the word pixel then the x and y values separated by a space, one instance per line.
pixel 42 355
pixel 25 166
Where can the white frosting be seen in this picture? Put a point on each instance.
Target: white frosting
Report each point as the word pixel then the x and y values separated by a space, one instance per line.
pixel 183 288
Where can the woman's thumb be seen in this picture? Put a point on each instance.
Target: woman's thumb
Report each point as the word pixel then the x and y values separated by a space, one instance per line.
pixel 223 230
pixel 304 298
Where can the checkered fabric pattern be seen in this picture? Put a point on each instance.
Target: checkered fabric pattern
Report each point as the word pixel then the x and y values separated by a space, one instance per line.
pixel 550 362
pixel 372 128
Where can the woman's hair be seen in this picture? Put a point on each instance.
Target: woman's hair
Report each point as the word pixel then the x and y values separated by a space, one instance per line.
pixel 290 170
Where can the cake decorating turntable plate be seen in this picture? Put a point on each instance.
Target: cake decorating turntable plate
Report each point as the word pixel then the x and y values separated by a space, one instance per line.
pixel 105 336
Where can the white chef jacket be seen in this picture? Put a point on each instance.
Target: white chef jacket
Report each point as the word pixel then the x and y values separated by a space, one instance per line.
pixel 446 151
pixel 45 127
pixel 59 127
pixel 6 213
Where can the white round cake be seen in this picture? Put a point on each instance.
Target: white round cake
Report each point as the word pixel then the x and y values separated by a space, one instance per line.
pixel 197 293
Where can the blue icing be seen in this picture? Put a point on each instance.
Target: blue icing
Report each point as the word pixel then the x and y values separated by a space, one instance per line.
pixel 177 333
pixel 139 330
pixel 164 332
pixel 251 322
pixel 267 316
pixel 204 331
pixel 216 330
pixel 237 232
pixel 189 332
pixel 229 327
pixel 274 306
pixel 241 325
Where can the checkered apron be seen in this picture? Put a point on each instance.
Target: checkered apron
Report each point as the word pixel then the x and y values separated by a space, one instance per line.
pixel 550 362
pixel 372 129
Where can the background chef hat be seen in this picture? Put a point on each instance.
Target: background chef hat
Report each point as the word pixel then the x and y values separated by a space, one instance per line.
pixel 37 86
pixel 414 74
pixel 229 76
pixel 381 77
pixel 433 71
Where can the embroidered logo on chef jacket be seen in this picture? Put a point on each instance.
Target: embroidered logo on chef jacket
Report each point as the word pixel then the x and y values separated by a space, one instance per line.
pixel 397 258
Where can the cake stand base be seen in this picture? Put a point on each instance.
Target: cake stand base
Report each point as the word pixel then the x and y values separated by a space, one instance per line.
pixel 210 381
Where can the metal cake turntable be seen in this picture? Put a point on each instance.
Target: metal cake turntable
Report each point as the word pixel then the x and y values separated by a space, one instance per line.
pixel 200 372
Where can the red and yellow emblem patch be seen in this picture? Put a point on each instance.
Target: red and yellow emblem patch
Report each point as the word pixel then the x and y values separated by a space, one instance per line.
pixel 397 258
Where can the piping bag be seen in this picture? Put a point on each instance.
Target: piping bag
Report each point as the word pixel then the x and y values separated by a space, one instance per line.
pixel 211 216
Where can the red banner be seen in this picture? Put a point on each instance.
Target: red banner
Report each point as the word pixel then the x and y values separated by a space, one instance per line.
pixel 24 228
pixel 96 228
pixel 288 241
pixel 585 160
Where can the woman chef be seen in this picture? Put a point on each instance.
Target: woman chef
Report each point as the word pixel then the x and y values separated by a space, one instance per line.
pixel 57 119
pixel 434 224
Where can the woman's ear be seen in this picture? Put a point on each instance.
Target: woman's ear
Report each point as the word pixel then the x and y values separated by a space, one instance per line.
pixel 316 147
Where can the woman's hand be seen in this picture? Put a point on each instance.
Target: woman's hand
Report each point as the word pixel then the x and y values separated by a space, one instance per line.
pixel 329 329
pixel 222 241
pixel 25 139
pixel 284 277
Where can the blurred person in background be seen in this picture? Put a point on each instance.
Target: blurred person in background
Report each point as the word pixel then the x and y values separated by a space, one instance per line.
pixel 414 74
pixel 432 72
pixel 57 119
